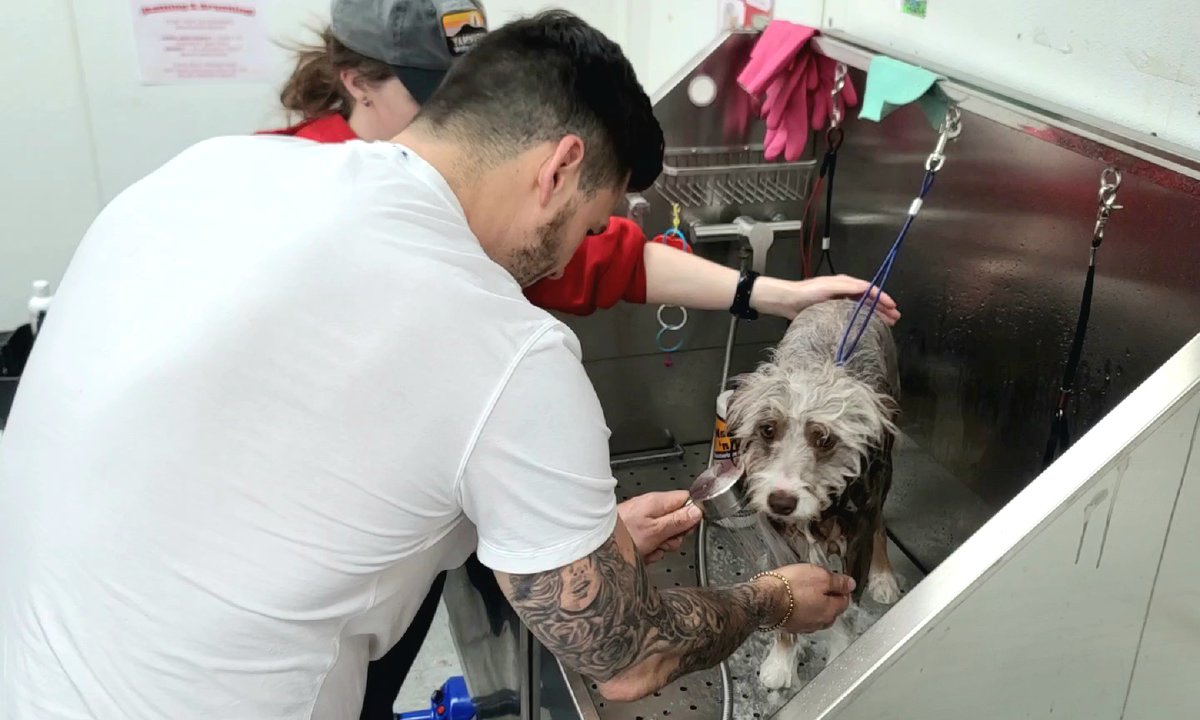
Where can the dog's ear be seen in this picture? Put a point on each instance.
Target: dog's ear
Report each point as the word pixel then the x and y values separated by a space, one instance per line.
pixel 738 407
pixel 890 407
pixel 736 381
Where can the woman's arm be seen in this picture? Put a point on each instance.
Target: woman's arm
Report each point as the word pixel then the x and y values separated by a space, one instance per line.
pixel 678 278
pixel 618 264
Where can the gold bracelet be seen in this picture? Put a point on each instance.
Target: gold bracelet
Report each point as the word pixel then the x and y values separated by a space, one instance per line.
pixel 791 600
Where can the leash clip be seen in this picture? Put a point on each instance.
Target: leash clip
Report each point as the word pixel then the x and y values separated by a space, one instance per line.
pixel 951 128
pixel 835 96
pixel 1110 181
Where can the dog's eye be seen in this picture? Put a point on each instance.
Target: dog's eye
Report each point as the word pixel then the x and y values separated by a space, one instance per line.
pixel 819 438
pixel 767 431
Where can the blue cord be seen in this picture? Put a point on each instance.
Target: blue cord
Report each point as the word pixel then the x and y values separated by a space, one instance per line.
pixel 881 277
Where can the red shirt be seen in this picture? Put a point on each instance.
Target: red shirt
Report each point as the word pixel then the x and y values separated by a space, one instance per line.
pixel 606 268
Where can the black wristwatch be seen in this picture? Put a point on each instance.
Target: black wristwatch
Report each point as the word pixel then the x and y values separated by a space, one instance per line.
pixel 741 297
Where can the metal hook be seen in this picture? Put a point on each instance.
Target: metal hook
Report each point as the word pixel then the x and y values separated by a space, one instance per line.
pixel 839 77
pixel 951 128
pixel 1110 181
pixel 835 107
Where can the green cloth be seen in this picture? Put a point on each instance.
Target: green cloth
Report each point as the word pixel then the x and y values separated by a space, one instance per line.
pixel 892 84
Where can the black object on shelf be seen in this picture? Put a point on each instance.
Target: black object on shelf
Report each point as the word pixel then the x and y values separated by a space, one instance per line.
pixel 14 351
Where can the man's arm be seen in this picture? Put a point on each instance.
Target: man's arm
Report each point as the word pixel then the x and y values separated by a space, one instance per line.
pixel 601 618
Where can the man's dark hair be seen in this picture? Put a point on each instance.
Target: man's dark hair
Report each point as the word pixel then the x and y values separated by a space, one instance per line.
pixel 543 77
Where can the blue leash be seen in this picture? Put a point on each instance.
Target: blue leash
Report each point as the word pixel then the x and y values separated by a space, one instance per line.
pixel 881 277
pixel 933 164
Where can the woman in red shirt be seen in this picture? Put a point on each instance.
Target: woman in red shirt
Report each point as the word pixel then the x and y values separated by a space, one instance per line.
pixel 374 90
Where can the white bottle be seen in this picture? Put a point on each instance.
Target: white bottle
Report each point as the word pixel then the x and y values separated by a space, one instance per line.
pixel 39 304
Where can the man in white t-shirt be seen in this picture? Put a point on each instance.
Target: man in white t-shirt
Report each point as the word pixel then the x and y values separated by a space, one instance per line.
pixel 285 384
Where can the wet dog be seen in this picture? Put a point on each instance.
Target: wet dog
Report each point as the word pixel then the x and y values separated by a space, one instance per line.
pixel 815 443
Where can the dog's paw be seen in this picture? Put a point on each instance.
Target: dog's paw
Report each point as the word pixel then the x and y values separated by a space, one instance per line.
pixel 777 670
pixel 883 587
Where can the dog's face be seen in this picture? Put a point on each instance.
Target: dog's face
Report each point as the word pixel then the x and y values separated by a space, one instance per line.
pixel 804 435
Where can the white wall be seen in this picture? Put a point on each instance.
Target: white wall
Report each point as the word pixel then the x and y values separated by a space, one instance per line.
pixel 664 34
pixel 1134 63
pixel 48 188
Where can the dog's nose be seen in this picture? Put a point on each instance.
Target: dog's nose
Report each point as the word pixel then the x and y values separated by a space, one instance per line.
pixel 781 503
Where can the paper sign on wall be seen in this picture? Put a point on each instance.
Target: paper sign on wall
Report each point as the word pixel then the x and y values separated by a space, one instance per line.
pixel 201 42
pixel 746 14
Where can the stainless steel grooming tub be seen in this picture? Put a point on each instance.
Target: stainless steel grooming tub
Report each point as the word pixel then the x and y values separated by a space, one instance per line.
pixel 1066 593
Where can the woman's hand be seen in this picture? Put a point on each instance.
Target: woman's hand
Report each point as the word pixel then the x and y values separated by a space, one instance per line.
pixel 786 298
pixel 658 522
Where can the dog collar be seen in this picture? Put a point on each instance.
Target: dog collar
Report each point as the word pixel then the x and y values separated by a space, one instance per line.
pixel 741 297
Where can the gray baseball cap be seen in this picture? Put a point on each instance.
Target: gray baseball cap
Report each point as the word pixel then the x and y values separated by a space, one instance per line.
pixel 420 39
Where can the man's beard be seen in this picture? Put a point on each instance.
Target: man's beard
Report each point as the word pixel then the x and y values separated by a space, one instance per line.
pixel 540 259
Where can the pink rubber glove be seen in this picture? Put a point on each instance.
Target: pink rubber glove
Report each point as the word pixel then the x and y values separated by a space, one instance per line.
pixel 781 89
pixel 795 124
pixel 774 143
pixel 820 105
pixel 774 51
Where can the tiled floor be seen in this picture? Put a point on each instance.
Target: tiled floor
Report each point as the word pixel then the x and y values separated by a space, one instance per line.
pixel 436 662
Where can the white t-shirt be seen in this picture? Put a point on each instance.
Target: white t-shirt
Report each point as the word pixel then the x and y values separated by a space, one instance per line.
pixel 281 387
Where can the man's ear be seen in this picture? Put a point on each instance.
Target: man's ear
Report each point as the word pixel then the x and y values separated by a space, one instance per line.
pixel 561 170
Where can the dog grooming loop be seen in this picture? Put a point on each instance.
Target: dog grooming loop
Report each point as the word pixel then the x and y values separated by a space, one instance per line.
pixel 1060 436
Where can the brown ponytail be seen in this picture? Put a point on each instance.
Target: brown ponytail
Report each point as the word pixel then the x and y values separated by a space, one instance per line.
pixel 315 87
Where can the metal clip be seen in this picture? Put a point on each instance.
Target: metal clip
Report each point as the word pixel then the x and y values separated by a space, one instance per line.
pixel 1110 181
pixel 835 96
pixel 951 128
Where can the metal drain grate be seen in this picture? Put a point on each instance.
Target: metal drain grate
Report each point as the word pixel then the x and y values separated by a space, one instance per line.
pixel 698 696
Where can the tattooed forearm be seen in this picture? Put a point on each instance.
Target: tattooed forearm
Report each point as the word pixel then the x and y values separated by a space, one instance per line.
pixel 600 617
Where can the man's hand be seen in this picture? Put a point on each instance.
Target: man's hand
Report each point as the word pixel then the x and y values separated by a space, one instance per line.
pixel 658 522
pixel 820 596
pixel 786 298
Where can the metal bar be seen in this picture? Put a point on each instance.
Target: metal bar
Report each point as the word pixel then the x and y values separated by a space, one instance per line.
pixel 648 457
pixel 702 231
pixel 733 168
pixel 531 679
pixel 1083 134
pixel 691 150
pixel 580 696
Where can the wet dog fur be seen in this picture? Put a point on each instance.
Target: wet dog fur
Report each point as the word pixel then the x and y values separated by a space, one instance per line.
pixel 815 443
